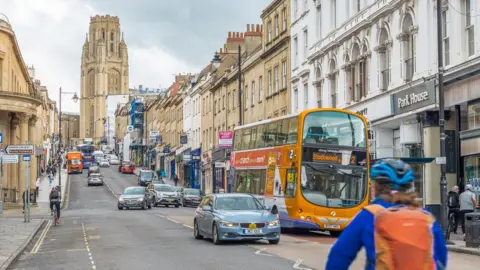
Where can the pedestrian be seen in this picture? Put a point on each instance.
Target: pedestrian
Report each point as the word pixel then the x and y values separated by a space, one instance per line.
pixel 24 198
pixel 37 186
pixel 454 207
pixel 54 171
pixel 468 203
pixel 394 230
pixel 175 179
pixel 50 180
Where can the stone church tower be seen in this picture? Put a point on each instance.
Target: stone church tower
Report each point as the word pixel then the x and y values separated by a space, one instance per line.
pixel 104 71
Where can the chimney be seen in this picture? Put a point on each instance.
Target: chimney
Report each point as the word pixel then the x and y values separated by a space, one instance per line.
pixel 253 30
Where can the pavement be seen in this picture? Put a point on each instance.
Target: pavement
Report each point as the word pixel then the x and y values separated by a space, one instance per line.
pixel 94 234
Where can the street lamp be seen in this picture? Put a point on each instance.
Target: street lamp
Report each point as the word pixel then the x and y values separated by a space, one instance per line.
pixel 216 61
pixel 75 100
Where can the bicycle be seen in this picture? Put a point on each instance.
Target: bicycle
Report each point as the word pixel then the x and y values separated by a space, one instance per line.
pixel 450 224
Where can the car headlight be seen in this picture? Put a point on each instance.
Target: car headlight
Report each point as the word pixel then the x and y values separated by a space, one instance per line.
pixel 272 223
pixel 228 224
pixel 120 199
pixel 140 199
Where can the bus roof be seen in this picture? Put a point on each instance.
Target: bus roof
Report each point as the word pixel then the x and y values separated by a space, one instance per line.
pixel 267 121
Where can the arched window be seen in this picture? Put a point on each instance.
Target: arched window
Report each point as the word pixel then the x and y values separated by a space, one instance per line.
pixel 90 83
pixel 318 85
pixel 333 82
pixel 92 121
pixel 113 82
pixel 111 36
pixel 356 74
pixel 384 59
pixel 408 43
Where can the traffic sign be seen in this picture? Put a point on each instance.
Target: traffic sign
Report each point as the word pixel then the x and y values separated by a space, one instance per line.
pixel 26 158
pixel 129 128
pixel 9 159
pixel 20 149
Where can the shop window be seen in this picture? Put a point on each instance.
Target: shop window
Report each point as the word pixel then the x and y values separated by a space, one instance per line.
pixel 473 111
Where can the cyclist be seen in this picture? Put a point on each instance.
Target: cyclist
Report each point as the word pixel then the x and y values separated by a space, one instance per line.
pixel 393 225
pixel 55 200
pixel 453 207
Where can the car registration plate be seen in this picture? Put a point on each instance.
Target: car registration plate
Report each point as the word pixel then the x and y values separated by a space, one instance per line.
pixel 253 231
pixel 328 226
pixel 169 200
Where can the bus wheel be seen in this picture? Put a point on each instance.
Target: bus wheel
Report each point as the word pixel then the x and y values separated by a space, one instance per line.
pixel 335 233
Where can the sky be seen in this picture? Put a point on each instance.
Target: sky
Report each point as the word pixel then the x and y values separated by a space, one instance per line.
pixel 164 37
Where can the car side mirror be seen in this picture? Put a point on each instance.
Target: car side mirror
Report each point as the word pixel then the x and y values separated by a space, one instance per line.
pixel 274 210
pixel 207 208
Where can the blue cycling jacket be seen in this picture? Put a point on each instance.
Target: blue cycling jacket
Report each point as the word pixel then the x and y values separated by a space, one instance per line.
pixel 360 233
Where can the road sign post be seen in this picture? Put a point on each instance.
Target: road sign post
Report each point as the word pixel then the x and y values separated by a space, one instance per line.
pixel 26 158
pixel 1 181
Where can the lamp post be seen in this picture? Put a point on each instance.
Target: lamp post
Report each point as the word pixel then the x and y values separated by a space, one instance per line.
pixel 216 61
pixel 75 100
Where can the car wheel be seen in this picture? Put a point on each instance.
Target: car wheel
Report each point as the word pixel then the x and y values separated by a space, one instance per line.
pixel 120 208
pixel 215 239
pixel 128 208
pixel 274 242
pixel 144 206
pixel 196 232
pixel 177 205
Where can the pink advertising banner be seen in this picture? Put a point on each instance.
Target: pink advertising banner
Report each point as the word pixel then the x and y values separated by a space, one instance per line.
pixel 225 139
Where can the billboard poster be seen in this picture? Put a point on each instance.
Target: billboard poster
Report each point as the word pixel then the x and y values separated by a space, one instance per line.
pixel 225 139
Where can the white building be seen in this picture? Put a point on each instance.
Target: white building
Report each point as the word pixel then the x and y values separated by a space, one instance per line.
pixel 379 58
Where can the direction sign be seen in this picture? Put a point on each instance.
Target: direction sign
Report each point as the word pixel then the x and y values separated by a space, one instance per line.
pixel 20 149
pixel 9 159
pixel 26 158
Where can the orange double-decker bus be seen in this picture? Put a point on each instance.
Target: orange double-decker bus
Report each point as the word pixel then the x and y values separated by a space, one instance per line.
pixel 312 165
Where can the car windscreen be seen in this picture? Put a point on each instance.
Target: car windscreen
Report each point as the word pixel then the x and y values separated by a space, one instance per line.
pixel 146 174
pixel 75 162
pixel 192 192
pixel 95 175
pixel 164 188
pixel 133 191
pixel 238 203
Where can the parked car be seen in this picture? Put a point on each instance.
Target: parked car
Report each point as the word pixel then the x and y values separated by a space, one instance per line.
pixel 135 197
pixel 235 217
pixel 191 197
pixel 103 163
pixel 113 160
pixel 93 168
pixel 95 179
pixel 146 177
pixel 127 167
pixel 121 164
pixel 165 195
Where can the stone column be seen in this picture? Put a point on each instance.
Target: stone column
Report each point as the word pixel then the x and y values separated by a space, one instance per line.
pixel 22 181
pixel 32 138
pixel 13 168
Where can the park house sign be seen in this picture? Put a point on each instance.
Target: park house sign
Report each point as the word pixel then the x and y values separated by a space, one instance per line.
pixel 414 97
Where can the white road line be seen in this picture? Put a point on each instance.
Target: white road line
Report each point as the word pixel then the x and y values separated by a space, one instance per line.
pixel 87 247
pixel 297 265
pixel 173 220
pixel 259 252
pixel 188 226
pixel 111 190
pixel 158 215
pixel 39 242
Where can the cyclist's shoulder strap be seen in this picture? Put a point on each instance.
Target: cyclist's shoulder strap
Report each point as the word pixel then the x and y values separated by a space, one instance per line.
pixel 375 209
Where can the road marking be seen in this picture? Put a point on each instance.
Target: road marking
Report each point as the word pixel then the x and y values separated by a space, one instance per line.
pixel 259 252
pixel 78 249
pixel 67 194
pixel 111 190
pixel 173 220
pixel 297 265
pixel 39 242
pixel 87 247
pixel 158 215
pixel 188 226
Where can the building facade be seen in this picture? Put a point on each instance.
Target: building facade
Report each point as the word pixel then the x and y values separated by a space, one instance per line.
pixel 70 129
pixel 104 71
pixel 24 114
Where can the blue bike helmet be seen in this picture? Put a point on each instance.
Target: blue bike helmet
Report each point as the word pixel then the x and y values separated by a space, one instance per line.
pixel 396 172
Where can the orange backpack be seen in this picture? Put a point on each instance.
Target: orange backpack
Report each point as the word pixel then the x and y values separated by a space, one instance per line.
pixel 403 238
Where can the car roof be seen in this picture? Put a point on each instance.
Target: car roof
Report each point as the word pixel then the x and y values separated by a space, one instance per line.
pixel 237 195
pixel 135 187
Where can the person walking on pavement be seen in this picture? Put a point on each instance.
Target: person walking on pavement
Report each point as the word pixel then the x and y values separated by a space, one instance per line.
pixel 175 179
pixel 50 179
pixel 54 171
pixel 468 203
pixel 24 196
pixel 37 186
pixel 454 206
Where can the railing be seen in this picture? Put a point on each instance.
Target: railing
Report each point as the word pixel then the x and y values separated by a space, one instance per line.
pixel 409 69
pixel 385 74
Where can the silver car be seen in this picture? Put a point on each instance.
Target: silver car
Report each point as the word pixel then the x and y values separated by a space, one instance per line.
pixel 95 179
pixel 103 163
pixel 166 195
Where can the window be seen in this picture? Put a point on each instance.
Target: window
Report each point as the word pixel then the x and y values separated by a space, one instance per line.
pixel 253 93
pixel 358 6
pixel 295 9
pixel 319 21
pixel 111 36
pixel 295 48
pixel 469 28
pixel 284 74
pixel 269 30
pixel 228 102
pixel 333 14
pixel 234 97
pixel 245 97
pixel 270 83
pixel 445 33
pixel 111 47
pixel 473 111
pixel 277 78
pixel 295 98
pixel 305 44
pixel 284 18
pixel 223 102
pixel 277 26
pixel 305 93
pixel 260 88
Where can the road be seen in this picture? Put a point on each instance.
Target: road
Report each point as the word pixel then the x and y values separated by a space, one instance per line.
pixel 95 235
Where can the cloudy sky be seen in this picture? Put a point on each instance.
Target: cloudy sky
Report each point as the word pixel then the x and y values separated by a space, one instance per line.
pixel 164 37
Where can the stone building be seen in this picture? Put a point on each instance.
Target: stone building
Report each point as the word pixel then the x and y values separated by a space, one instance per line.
pixel 25 115
pixel 104 71
pixel 70 129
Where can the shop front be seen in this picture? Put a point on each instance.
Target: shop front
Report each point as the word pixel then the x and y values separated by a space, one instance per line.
pixel 218 167
pixel 195 168
pixel 207 172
